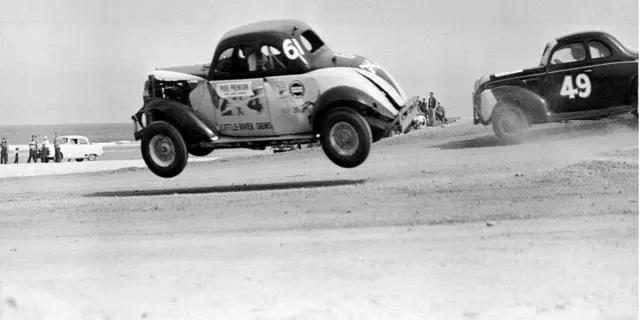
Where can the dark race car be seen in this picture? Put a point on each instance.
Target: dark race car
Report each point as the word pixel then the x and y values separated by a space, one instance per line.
pixel 269 83
pixel 583 75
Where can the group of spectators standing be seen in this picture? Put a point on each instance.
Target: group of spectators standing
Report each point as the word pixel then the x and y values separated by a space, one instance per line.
pixel 34 153
pixel 432 110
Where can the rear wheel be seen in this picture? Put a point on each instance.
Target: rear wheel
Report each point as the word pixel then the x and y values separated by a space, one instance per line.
pixel 510 124
pixel 163 149
pixel 346 137
pixel 92 157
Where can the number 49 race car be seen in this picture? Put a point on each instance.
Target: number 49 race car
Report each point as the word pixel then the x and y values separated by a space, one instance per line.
pixel 583 75
pixel 270 83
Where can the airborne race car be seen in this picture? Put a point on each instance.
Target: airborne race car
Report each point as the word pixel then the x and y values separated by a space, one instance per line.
pixel 584 75
pixel 270 83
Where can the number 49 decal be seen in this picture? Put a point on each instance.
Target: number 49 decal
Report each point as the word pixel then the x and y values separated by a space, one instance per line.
pixel 582 82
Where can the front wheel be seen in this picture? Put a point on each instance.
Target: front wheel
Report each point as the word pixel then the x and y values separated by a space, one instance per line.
pixel 346 137
pixel 163 149
pixel 510 124
pixel 92 157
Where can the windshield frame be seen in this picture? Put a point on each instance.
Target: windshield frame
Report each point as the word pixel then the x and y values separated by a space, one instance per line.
pixel 547 52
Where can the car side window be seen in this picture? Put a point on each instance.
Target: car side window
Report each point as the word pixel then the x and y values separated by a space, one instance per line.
pixel 74 141
pixel 82 141
pixel 311 41
pixel 598 50
pixel 240 59
pixel 272 58
pixel 567 53
pixel 224 62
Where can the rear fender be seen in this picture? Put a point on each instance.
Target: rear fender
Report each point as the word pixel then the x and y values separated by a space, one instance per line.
pixel 535 107
pixel 191 127
pixel 356 99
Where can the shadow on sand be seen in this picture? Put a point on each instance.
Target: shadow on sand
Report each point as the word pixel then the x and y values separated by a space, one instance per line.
pixel 231 188
pixel 479 142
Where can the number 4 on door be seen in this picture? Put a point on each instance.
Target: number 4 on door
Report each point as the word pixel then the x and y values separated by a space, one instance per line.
pixel 582 82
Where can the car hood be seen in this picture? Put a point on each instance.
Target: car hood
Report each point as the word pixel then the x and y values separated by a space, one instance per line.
pixel 506 75
pixel 374 72
pixel 192 72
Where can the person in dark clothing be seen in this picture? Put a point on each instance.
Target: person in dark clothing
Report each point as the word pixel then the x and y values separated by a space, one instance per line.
pixel 432 107
pixel 33 150
pixel 56 145
pixel 440 114
pixel 44 156
pixel 423 106
pixel 4 151
pixel 17 155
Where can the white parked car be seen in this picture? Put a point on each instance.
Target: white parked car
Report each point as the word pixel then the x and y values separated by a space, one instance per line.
pixel 76 147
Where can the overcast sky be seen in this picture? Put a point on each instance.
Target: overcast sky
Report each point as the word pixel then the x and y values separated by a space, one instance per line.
pixel 85 61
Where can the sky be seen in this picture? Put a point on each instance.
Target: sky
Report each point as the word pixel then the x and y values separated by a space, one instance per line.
pixel 85 61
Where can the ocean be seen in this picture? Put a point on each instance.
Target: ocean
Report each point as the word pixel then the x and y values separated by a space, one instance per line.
pixel 102 133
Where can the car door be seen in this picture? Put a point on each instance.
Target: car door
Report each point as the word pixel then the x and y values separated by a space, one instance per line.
pixel 568 83
pixel 84 148
pixel 610 80
pixel 69 148
pixel 290 97
pixel 238 96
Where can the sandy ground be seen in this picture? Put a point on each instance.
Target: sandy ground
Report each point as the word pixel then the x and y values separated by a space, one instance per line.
pixel 439 224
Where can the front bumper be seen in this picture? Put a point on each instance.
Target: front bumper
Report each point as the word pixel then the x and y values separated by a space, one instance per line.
pixel 407 114
pixel 138 125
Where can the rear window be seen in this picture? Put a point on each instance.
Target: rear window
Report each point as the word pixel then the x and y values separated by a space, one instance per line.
pixel 311 41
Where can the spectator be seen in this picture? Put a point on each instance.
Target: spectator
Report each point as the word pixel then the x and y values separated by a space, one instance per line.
pixel 56 145
pixel 45 150
pixel 33 153
pixel 4 151
pixel 432 108
pixel 17 155
pixel 440 113
pixel 423 106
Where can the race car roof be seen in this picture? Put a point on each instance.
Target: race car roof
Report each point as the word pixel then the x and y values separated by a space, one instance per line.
pixel 266 26
pixel 582 34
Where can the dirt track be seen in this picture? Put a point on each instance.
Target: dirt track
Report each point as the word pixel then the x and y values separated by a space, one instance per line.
pixel 440 224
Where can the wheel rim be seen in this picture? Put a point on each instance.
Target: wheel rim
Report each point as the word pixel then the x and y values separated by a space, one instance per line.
pixel 92 157
pixel 162 150
pixel 510 124
pixel 344 139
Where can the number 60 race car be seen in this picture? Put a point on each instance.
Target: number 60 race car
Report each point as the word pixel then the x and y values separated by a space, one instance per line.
pixel 582 75
pixel 270 83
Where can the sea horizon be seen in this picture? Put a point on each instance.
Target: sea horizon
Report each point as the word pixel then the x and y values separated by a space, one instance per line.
pixel 96 132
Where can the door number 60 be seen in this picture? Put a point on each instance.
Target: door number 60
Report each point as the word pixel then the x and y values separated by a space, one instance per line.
pixel 582 82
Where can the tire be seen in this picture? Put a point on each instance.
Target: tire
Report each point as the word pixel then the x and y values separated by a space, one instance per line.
pixel 200 152
pixel 92 157
pixel 510 124
pixel 164 150
pixel 79 159
pixel 345 137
